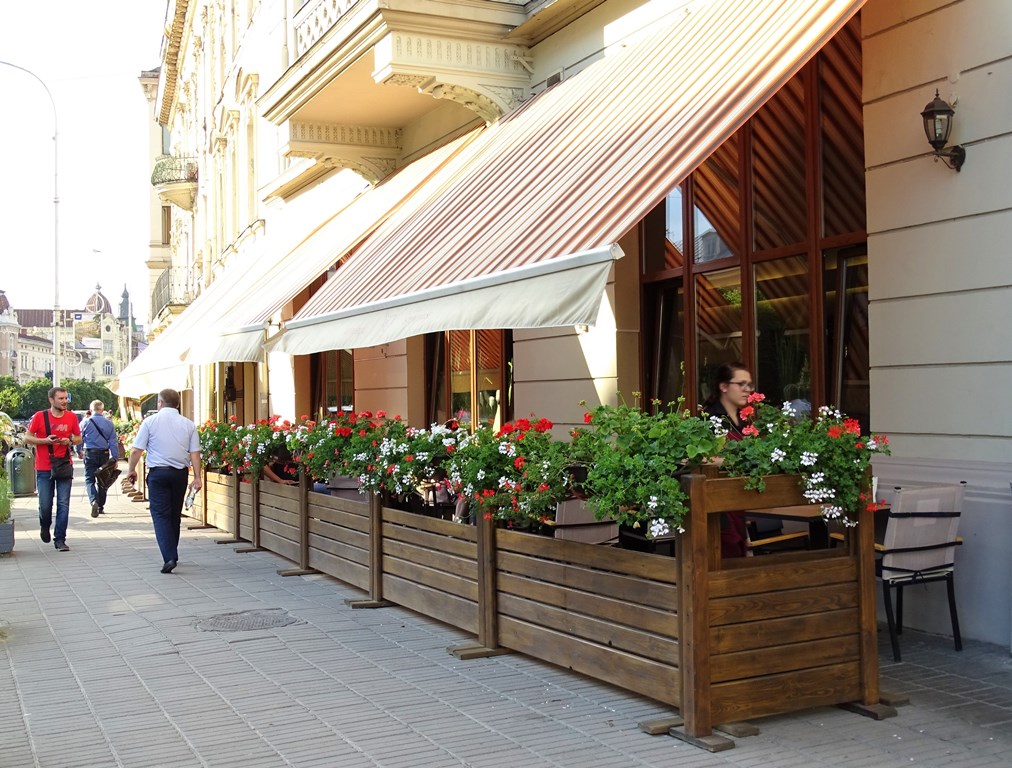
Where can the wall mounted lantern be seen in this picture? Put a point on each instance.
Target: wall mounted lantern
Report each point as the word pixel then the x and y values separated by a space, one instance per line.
pixel 937 116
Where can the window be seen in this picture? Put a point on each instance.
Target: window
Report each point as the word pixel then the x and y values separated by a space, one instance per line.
pixel 765 241
pixel 166 224
pixel 470 377
pixel 333 381
pixel 107 369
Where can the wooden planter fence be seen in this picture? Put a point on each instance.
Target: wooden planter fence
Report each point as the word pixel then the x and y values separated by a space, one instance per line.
pixel 720 641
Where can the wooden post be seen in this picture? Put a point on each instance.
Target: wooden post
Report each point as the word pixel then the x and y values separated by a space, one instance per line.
pixel 695 558
pixel 863 540
pixel 303 568
pixel 254 518
pixel 488 604
pixel 375 599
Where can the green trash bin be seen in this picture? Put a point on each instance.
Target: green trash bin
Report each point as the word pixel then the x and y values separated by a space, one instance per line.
pixel 20 466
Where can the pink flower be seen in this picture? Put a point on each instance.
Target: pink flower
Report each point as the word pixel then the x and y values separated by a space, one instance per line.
pixel 750 431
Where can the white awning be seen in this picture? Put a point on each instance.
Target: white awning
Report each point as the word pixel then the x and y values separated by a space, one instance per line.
pixel 565 291
pixel 569 172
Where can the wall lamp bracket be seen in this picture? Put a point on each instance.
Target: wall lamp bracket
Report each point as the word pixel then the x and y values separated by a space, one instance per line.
pixel 937 117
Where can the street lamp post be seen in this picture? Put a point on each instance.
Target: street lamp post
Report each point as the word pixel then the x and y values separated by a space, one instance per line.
pixel 56 226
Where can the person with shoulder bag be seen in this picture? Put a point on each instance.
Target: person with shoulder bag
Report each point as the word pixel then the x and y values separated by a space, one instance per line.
pixel 54 432
pixel 100 446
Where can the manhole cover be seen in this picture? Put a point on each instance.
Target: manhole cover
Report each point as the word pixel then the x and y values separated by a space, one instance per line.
pixel 246 620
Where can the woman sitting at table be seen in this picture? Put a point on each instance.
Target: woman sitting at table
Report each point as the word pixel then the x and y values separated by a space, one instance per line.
pixel 732 384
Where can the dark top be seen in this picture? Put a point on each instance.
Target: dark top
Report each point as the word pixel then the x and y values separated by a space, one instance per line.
pixel 733 529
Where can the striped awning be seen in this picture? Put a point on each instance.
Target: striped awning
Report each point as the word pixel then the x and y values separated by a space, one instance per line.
pixel 544 194
pixel 239 335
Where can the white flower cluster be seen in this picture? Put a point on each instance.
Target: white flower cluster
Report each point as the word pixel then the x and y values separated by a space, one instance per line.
pixel 508 449
pixel 658 527
pixel 808 458
pixel 816 493
pixel 829 412
pixel 788 410
pixel 717 424
pixel 652 503
pixel 777 456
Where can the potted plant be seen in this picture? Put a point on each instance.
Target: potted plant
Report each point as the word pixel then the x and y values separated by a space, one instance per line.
pixel 635 458
pixel 6 523
pixel 828 453
pixel 515 475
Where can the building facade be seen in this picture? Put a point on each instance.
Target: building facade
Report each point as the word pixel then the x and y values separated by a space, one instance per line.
pixel 577 200
pixel 95 343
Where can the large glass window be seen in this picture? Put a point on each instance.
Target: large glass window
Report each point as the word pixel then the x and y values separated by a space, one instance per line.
pixel 779 209
pixel 470 378
pixel 737 275
pixel 783 356
pixel 715 213
pixel 718 324
pixel 845 281
pixel 667 341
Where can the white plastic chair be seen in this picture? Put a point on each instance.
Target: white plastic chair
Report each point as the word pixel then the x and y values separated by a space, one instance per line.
pixel 919 547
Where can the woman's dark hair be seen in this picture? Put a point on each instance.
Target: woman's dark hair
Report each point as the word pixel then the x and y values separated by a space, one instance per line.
pixel 723 375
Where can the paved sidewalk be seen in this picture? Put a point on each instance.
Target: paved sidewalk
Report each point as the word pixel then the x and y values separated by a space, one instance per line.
pixel 106 663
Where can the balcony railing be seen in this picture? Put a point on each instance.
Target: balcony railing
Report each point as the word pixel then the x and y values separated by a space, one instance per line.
pixel 175 179
pixel 173 287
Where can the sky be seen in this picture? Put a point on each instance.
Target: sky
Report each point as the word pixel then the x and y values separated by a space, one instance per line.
pixel 90 56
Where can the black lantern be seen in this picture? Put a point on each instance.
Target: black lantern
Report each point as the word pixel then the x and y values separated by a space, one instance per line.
pixel 937 116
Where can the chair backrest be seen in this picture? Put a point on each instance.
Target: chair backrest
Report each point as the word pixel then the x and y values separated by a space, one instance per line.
pixel 920 536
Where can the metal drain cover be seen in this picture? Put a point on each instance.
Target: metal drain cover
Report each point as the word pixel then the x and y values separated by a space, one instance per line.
pixel 242 621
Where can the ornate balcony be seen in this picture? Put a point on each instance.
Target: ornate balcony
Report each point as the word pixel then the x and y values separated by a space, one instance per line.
pixel 175 180
pixel 173 291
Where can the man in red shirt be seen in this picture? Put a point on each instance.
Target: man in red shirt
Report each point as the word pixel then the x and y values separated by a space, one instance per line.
pixel 53 439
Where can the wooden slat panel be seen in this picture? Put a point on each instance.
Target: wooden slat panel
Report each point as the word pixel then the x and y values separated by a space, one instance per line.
pixel 592 628
pixel 660 621
pixel 280 496
pixel 763 634
pixel 794 602
pixel 645 676
pixel 319 502
pixel 340 518
pixel 431 558
pixel 340 568
pixel 728 494
pixel 769 574
pixel 588 580
pixel 279 529
pixel 340 549
pixel 786 692
pixel 422 538
pixel 785 658
pixel 448 608
pixel 280 546
pixel 280 515
pixel 445 528
pixel 429 577
pixel 636 564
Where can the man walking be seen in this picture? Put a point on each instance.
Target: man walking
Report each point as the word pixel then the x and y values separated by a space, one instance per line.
pixel 99 437
pixel 53 432
pixel 173 447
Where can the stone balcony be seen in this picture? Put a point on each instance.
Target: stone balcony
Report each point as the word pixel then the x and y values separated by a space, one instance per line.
pixel 175 180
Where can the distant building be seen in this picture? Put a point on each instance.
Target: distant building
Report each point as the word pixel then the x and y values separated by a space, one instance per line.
pixel 95 342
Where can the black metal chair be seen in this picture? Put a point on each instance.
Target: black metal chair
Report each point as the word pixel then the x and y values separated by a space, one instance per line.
pixel 918 548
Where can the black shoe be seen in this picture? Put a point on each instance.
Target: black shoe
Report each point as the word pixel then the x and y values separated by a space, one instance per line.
pixel 44 535
pixel 95 509
pixel 101 510
pixel 61 546
pixel 168 566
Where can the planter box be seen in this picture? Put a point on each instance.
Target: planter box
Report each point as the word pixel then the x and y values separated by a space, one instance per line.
pixel 6 537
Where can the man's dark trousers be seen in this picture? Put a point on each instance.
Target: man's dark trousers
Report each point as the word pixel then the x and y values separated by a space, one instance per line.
pixel 166 492
pixel 94 458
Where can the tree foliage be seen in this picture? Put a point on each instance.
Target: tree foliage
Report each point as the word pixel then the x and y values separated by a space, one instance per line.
pixel 20 401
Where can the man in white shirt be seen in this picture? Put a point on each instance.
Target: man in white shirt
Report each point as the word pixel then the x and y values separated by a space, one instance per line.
pixel 173 447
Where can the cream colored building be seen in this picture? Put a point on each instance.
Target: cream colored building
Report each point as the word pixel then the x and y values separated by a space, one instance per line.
pixel 736 181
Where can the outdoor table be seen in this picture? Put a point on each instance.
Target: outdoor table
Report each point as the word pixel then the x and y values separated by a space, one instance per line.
pixel 818 531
